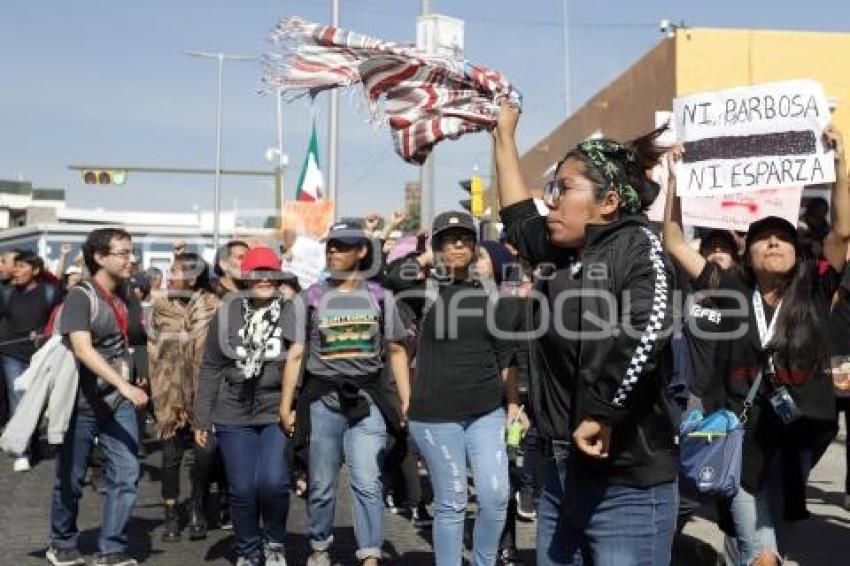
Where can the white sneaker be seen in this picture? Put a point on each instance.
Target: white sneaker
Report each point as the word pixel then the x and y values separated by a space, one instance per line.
pixel 274 554
pixel 21 464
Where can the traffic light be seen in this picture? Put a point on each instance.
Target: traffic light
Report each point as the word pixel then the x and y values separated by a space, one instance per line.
pixel 105 176
pixel 475 188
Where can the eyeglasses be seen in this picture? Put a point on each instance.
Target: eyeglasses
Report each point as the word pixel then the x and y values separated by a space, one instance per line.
pixel 552 192
pixel 123 255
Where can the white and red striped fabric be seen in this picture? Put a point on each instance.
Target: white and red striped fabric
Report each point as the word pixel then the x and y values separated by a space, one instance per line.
pixel 428 98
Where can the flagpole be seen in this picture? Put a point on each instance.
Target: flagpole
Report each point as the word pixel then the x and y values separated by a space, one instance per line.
pixel 333 131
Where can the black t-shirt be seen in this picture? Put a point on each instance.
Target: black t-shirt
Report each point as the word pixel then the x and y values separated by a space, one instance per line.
pixel 554 358
pixel 458 371
pixel 703 323
pixel 23 311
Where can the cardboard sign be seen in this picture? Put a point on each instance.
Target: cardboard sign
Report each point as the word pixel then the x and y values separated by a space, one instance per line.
pixel 307 218
pixel 737 212
pixel 307 260
pixel 751 138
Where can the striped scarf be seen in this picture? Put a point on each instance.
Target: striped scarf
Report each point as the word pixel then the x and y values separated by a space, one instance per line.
pixel 428 98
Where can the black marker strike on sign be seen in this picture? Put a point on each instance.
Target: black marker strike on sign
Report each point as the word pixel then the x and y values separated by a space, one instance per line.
pixel 742 147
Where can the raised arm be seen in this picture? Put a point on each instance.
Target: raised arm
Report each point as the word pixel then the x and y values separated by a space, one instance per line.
pixel 512 188
pixel 836 242
pixel 687 258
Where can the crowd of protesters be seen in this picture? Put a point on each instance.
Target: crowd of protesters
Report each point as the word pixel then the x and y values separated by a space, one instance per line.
pixel 431 350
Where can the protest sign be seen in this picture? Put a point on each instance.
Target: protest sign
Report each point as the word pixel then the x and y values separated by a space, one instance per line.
pixel 751 138
pixel 738 211
pixel 307 218
pixel 307 260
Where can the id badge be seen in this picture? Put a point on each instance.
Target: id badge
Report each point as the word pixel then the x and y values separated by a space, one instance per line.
pixel 784 405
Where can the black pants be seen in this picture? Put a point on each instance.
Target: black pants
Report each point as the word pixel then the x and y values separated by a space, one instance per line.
pixel 402 472
pixel 508 538
pixel 206 466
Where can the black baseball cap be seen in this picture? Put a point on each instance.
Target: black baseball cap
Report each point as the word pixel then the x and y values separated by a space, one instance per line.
pixel 772 223
pixel 715 234
pixel 452 220
pixel 350 233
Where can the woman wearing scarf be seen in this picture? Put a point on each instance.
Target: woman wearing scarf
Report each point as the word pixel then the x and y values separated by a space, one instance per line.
pixel 777 309
pixel 179 324
pixel 603 302
pixel 238 399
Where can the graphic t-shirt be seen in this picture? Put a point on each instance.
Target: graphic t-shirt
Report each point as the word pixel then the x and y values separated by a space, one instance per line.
pixel 347 331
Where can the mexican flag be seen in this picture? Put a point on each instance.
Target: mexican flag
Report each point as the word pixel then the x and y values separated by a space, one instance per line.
pixel 311 182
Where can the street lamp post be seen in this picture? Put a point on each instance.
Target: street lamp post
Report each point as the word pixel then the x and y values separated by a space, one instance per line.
pixel 221 58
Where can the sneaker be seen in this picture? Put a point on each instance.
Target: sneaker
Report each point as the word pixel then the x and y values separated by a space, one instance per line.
pixel 389 501
pixel 319 558
pixel 508 557
pixel 274 553
pixel 65 557
pixel 21 464
pixel 114 559
pixel 242 561
pixel 420 517
pixel 525 506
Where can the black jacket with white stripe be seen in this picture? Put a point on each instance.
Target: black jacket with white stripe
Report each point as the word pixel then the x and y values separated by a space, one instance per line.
pixel 625 313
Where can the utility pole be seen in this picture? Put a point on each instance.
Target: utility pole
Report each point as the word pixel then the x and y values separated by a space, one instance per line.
pixel 567 94
pixel 333 132
pixel 426 172
pixel 221 58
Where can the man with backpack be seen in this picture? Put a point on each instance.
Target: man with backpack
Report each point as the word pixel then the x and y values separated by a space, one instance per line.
pixel 342 407
pixel 25 307
pixel 94 323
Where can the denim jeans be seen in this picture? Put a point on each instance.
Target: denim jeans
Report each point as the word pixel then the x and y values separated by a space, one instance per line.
pixel 118 434
pixel 587 521
pixel 363 444
pixel 13 368
pixel 258 480
pixel 752 514
pixel 445 447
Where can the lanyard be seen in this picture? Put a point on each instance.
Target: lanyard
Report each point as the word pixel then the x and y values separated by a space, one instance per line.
pixel 765 332
pixel 120 311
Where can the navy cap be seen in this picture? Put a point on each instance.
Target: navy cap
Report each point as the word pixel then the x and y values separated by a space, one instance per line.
pixel 350 233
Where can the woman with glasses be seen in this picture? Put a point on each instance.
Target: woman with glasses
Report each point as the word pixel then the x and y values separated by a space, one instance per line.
pixel 239 393
pixel 465 373
pixel 599 368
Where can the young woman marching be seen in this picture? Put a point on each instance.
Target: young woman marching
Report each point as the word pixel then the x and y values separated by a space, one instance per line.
pixel 343 408
pixel 786 307
pixel 463 375
pixel 238 397
pixel 179 322
pixel 599 371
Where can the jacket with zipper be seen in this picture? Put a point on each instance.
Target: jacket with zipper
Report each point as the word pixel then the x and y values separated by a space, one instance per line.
pixel 624 360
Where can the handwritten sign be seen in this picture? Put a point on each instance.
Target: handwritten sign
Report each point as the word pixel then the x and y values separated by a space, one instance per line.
pixel 307 260
pixel 738 211
pixel 750 138
pixel 307 218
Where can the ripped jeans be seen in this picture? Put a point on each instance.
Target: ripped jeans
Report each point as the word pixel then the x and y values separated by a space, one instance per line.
pixel 445 446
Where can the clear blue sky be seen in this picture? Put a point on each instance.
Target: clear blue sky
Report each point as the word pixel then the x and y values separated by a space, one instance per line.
pixel 105 81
